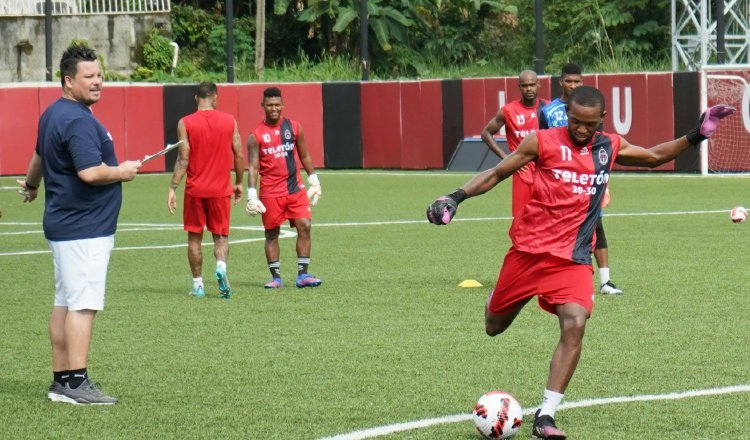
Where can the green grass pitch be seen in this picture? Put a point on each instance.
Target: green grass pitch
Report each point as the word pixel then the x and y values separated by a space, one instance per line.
pixel 389 337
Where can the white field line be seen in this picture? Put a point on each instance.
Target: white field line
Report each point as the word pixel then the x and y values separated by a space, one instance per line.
pixel 285 233
pixel 155 227
pixel 424 423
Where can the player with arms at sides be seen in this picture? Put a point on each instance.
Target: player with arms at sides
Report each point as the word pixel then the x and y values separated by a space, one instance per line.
pixel 519 118
pixel 211 147
pixel 555 115
pixel 550 255
pixel 75 154
pixel 276 149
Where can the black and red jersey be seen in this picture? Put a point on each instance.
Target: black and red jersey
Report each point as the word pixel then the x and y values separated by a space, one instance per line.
pixel 569 184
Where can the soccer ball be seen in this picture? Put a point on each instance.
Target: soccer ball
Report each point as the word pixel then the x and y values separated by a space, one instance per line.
pixel 738 214
pixel 497 414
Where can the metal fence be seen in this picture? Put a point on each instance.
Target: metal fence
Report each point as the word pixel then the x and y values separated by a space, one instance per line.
pixel 83 7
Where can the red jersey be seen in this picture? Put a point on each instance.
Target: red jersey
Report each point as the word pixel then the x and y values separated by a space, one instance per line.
pixel 210 134
pixel 567 193
pixel 520 121
pixel 279 162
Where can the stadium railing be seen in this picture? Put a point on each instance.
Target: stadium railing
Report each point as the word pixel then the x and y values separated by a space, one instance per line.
pixel 83 7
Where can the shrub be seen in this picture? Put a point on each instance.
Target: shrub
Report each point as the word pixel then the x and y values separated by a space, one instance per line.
pixel 157 52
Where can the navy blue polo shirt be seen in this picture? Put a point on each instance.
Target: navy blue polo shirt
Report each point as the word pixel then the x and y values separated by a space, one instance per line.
pixel 71 139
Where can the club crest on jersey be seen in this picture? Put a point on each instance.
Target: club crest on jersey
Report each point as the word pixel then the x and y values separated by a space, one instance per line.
pixel 603 156
pixel 287 135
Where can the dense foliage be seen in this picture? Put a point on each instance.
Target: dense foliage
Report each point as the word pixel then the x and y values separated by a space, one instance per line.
pixel 425 38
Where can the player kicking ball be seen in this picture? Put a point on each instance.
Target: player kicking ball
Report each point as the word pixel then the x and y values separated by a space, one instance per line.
pixel 276 149
pixel 550 255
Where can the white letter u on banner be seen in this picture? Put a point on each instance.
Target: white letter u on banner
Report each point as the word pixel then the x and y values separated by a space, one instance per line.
pixel 622 126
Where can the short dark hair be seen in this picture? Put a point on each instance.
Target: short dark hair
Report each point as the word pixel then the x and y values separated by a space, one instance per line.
pixel 206 89
pixel 74 54
pixel 587 96
pixel 271 92
pixel 570 69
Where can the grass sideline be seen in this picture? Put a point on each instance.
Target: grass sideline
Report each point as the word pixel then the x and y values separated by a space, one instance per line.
pixel 388 337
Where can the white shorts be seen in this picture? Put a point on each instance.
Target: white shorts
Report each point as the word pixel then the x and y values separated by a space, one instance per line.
pixel 81 272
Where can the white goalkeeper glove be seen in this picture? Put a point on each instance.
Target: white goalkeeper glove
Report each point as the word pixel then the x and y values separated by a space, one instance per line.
pixel 315 191
pixel 254 205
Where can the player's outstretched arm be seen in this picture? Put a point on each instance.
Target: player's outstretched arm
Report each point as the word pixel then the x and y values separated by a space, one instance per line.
pixel 633 155
pixel 491 129
pixel 442 210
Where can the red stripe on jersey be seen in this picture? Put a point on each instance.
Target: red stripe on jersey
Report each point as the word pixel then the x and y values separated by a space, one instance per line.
pixel 210 134
pixel 278 159
pixel 569 184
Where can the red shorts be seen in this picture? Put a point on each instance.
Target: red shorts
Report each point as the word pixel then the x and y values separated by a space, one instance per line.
pixel 552 279
pixel 211 213
pixel 289 207
pixel 521 195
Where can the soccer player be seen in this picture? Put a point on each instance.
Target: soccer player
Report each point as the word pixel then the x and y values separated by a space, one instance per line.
pixel 555 115
pixel 75 155
pixel 550 256
pixel 519 118
pixel 211 146
pixel 276 149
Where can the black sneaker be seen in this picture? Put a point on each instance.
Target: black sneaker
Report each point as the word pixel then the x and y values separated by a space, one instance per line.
pixel 544 427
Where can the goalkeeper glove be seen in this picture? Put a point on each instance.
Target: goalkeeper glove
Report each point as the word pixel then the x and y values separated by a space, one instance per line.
pixel 708 123
pixel 254 205
pixel 315 191
pixel 442 210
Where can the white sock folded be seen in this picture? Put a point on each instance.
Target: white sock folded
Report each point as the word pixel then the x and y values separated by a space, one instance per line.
pixel 550 402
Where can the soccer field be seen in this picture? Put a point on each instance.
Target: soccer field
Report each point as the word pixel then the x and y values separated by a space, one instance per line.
pixel 389 338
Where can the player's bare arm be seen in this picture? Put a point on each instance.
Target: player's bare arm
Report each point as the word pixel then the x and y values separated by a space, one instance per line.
pixel 254 206
pixel 253 161
pixel 633 155
pixel 180 166
pixel 707 124
pixel 314 190
pixel 304 155
pixel 442 210
pixel 481 183
pixel 239 164
pixel 491 129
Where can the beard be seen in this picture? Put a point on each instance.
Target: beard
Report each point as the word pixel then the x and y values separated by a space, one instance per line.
pixel 575 139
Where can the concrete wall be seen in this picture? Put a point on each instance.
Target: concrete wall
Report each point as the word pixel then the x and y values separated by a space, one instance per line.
pixel 118 38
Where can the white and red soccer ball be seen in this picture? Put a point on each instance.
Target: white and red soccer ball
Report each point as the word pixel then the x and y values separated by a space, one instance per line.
pixel 497 414
pixel 738 214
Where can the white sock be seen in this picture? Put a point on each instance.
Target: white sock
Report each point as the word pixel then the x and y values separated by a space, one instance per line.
pixel 603 275
pixel 197 282
pixel 550 402
pixel 221 265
